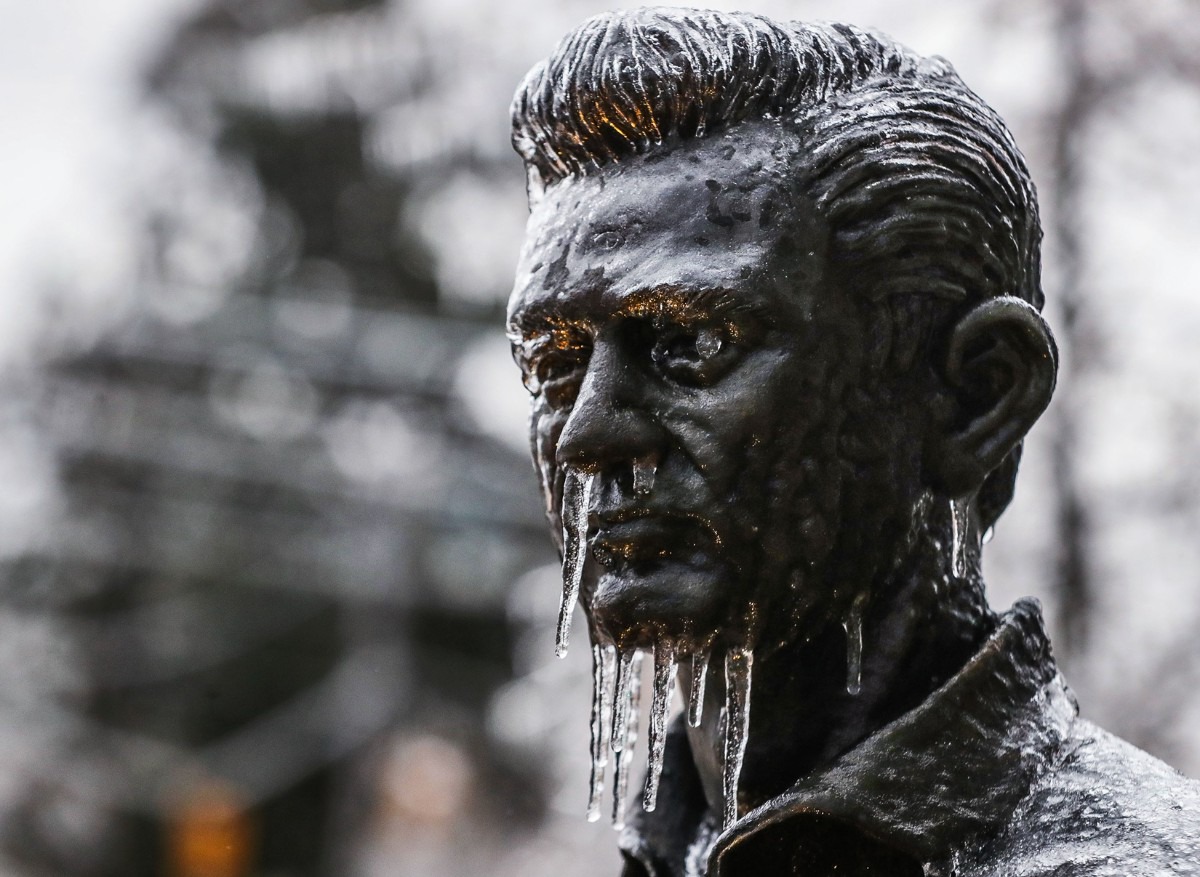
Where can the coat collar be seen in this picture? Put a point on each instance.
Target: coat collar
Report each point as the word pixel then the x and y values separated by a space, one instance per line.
pixel 951 770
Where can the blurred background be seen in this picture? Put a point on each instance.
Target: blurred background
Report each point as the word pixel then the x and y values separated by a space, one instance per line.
pixel 277 598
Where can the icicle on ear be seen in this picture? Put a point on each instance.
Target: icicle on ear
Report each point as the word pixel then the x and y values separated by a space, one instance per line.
pixel 629 690
pixel 660 706
pixel 958 529
pixel 739 661
pixel 577 489
pixel 854 644
pixel 699 676
pixel 604 659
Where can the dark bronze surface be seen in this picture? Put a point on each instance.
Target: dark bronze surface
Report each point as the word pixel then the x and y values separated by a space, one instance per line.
pixel 779 307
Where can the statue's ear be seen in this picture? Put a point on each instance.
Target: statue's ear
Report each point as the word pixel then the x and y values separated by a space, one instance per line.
pixel 999 369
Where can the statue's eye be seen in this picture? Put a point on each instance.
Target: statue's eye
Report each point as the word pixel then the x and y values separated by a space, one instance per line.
pixel 688 345
pixel 557 376
pixel 692 354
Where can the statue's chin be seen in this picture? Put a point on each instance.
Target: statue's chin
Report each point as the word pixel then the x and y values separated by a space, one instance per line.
pixel 683 603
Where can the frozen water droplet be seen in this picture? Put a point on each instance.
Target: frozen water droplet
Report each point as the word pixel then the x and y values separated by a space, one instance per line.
pixel 988 534
pixel 644 471
pixel 739 662
pixel 629 695
pixel 708 343
pixel 604 659
pixel 699 676
pixel 660 705
pixel 958 528
pixel 577 490
pixel 854 645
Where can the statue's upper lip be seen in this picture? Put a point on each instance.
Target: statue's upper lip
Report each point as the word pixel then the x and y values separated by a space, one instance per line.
pixel 603 520
pixel 608 517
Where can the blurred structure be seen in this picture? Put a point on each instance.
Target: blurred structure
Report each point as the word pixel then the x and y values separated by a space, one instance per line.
pixel 293 616
pixel 284 549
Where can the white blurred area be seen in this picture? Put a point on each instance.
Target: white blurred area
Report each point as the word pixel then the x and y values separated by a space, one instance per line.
pixel 1104 98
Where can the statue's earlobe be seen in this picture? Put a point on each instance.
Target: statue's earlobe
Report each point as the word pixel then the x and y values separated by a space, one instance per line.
pixel 1000 368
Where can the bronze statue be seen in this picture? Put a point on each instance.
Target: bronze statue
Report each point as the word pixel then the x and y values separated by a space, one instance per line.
pixel 779 313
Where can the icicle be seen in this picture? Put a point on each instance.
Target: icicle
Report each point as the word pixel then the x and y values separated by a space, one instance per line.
pixel 738 664
pixel 644 471
pixel 604 659
pixel 854 645
pixel 627 673
pixel 628 703
pixel 577 489
pixel 988 534
pixel 958 526
pixel 699 675
pixel 660 705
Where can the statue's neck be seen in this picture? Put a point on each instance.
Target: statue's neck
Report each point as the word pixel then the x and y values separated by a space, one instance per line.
pixel 918 630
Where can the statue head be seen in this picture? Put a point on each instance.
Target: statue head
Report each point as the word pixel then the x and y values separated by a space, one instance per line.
pixel 778 311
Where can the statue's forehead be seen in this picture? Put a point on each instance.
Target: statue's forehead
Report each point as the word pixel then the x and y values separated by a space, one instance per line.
pixel 707 214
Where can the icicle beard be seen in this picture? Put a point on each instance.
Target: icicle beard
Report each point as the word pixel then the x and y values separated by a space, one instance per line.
pixel 629 688
pixel 577 489
pixel 739 662
pixel 700 658
pixel 616 718
pixel 660 706
pixel 604 659
pixel 854 645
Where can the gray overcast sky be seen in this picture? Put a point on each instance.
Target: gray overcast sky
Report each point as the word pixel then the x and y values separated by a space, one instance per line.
pixel 71 125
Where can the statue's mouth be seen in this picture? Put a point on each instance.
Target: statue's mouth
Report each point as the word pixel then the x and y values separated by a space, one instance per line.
pixel 630 540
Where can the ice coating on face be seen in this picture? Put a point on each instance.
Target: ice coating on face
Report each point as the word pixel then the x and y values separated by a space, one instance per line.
pixel 695 713
pixel 644 471
pixel 629 691
pixel 660 705
pixel 604 659
pixel 708 343
pixel 739 661
pixel 577 490
pixel 854 645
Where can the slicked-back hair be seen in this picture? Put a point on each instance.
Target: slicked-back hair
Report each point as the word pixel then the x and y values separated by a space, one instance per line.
pixel 928 201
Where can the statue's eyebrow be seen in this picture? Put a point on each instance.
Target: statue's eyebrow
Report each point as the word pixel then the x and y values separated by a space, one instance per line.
pixel 535 323
pixel 677 303
pixel 686 305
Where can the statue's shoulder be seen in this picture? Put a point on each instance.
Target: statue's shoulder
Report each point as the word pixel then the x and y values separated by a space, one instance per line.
pixel 1105 808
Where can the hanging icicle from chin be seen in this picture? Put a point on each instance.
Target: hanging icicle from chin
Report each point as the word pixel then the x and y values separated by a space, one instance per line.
pixel 660 706
pixel 625 728
pixel 854 645
pixel 739 662
pixel 604 659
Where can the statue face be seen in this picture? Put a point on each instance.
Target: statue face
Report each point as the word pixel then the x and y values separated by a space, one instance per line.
pixel 675 317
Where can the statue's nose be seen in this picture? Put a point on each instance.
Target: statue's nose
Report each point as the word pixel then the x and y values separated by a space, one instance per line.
pixel 610 423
